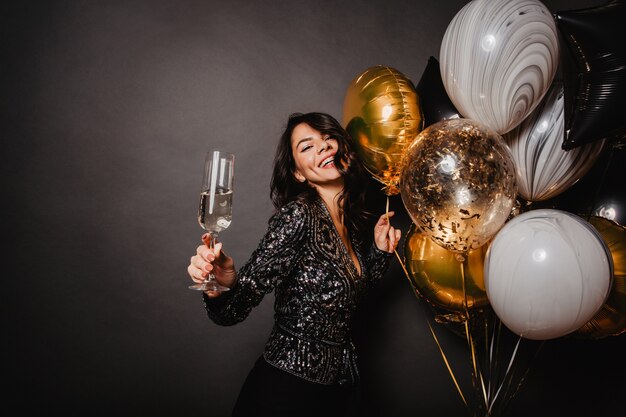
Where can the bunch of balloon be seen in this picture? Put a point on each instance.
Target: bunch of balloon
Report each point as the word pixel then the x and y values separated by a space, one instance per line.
pixel 382 114
pixel 458 186
pixel 498 58
pixel 594 70
pixel 542 167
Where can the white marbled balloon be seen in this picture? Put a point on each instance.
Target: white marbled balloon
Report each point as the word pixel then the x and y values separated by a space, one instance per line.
pixel 497 60
pixel 542 167
pixel 547 272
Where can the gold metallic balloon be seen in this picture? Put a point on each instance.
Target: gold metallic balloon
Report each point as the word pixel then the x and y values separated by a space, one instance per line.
pixel 458 183
pixel 610 320
pixel 436 273
pixel 382 114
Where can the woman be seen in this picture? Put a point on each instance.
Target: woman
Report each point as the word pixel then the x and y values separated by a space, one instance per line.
pixel 313 259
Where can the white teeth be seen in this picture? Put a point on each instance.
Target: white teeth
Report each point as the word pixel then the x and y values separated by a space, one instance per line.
pixel 327 161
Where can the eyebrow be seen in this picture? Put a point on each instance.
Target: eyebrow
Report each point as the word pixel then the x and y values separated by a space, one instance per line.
pixel 306 139
pixel 309 138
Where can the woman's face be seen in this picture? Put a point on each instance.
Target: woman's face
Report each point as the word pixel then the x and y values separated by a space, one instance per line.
pixel 314 155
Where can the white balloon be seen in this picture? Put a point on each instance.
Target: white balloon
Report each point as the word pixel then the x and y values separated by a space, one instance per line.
pixel 542 167
pixel 497 60
pixel 547 272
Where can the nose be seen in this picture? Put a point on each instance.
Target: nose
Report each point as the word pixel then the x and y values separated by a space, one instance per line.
pixel 323 146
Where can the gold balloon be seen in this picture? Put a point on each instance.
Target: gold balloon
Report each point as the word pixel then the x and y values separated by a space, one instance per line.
pixel 610 320
pixel 458 183
pixel 382 114
pixel 436 273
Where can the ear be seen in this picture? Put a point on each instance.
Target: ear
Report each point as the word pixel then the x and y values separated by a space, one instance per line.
pixel 299 177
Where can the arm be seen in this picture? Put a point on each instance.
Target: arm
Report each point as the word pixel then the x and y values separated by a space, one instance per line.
pixel 277 254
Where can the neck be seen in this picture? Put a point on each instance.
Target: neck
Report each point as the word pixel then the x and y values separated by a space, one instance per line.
pixel 330 195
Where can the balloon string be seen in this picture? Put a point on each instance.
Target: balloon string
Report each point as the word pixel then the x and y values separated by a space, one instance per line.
pixel 432 331
pixel 477 375
pixel 508 398
pixel 506 374
pixel 387 209
pixel 443 355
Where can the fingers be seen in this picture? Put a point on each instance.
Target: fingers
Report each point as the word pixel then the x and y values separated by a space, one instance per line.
pixel 217 251
pixel 212 294
pixel 391 236
pixel 201 263
pixel 384 218
pixel 196 274
pixel 394 238
pixel 386 236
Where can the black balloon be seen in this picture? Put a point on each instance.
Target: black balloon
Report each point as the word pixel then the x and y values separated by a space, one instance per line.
pixel 434 100
pixel 601 192
pixel 594 72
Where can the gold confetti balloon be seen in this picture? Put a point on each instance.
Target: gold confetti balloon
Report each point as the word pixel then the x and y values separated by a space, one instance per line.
pixel 458 183
pixel 440 278
pixel 382 114
pixel 610 320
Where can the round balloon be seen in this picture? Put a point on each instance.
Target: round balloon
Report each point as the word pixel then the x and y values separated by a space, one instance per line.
pixel 458 183
pixel 440 278
pixel 543 168
pixel 498 58
pixel 611 319
pixel 547 272
pixel 382 114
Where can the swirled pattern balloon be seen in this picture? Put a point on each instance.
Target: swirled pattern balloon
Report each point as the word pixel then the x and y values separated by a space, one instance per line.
pixel 498 58
pixel 458 183
pixel 543 168
pixel 547 272
pixel 382 114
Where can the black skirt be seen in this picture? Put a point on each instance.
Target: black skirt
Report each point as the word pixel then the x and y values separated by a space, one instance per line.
pixel 270 391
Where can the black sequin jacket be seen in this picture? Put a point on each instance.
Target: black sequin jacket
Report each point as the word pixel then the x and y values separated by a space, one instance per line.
pixel 317 287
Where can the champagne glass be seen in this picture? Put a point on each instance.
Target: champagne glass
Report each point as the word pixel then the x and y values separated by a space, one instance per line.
pixel 216 199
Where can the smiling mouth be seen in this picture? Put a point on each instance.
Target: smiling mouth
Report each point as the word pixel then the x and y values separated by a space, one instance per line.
pixel 328 161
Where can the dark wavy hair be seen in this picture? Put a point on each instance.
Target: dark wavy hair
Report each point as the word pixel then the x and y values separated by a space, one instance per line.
pixel 284 187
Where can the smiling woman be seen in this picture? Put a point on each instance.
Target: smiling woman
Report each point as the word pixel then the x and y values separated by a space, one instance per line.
pixel 313 258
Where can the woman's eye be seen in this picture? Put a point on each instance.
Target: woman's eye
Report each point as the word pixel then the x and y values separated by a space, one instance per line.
pixel 306 148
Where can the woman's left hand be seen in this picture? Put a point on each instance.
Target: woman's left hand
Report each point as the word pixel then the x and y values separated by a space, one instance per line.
pixel 386 237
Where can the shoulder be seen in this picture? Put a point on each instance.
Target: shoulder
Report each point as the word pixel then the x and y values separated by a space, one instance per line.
pixel 291 222
pixel 296 213
pixel 296 209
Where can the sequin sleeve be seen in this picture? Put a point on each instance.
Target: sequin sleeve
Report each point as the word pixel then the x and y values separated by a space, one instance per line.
pixel 274 258
pixel 377 263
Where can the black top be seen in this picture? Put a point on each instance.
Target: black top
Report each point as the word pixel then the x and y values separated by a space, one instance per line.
pixel 303 258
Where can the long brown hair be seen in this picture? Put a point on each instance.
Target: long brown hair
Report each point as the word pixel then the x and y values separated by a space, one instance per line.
pixel 285 188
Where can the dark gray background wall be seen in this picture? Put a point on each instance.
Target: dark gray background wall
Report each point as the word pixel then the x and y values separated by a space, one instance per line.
pixel 108 110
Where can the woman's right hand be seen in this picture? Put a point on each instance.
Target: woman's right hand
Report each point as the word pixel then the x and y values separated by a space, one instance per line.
pixel 212 260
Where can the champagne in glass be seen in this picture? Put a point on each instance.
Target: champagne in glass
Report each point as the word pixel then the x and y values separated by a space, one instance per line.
pixel 216 199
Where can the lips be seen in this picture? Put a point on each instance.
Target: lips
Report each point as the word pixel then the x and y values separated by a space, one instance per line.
pixel 327 161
